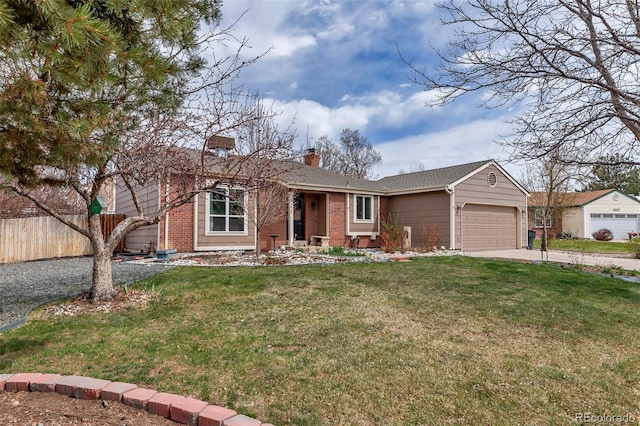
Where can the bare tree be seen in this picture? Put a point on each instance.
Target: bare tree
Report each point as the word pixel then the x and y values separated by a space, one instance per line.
pixel 64 200
pixel 549 182
pixel 354 156
pixel 572 65
pixel 273 155
pixel 330 154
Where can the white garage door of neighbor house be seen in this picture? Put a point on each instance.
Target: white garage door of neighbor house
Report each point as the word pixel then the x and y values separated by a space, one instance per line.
pixel 619 223
pixel 488 227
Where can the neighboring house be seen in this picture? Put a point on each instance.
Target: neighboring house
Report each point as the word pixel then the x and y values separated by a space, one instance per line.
pixel 475 206
pixel 591 211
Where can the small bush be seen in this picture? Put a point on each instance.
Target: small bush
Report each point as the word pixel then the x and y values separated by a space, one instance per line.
pixel 431 236
pixel 567 235
pixel 635 244
pixel 603 234
pixel 392 234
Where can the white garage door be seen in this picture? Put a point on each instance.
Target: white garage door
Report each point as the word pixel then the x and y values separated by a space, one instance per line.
pixel 489 227
pixel 619 223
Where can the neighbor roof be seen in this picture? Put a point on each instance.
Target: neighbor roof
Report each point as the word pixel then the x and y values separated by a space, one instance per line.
pixel 579 199
pixel 582 198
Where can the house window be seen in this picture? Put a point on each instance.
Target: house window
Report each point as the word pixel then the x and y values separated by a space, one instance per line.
pixel 227 210
pixel 364 208
pixel 538 219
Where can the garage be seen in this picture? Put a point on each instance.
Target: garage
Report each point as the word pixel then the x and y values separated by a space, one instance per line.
pixel 487 227
pixel 619 223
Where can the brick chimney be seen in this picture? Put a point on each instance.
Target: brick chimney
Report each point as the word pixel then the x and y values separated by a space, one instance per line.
pixel 311 158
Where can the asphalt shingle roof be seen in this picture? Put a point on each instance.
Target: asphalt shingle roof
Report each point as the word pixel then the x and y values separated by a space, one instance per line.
pixel 577 199
pixel 435 178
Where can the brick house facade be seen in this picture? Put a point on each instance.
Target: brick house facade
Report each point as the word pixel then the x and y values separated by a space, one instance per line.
pixel 474 205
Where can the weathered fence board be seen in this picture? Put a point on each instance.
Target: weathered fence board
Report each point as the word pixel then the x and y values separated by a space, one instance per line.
pixel 33 238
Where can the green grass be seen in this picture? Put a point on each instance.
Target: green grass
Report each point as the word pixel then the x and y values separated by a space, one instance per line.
pixel 436 340
pixel 588 246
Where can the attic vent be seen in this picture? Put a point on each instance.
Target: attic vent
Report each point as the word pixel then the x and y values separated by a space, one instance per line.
pixel 492 179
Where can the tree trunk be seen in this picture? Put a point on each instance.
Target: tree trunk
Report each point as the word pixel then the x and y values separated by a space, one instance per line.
pixel 102 289
pixel 257 244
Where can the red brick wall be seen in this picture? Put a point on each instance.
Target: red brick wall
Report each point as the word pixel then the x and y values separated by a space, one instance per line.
pixel 551 232
pixel 180 225
pixel 310 216
pixel 277 227
pixel 337 212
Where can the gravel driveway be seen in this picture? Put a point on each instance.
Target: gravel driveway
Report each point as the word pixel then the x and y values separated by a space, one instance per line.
pixel 24 286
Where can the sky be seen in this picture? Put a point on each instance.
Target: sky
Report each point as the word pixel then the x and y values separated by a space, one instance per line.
pixel 335 64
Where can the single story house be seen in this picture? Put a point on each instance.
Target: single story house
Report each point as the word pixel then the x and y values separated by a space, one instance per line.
pixel 590 211
pixel 473 206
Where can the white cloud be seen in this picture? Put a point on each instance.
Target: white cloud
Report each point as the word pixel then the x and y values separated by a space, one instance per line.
pixel 263 23
pixel 468 142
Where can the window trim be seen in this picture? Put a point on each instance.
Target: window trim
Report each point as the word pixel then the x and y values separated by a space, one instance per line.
pixel 371 209
pixel 227 216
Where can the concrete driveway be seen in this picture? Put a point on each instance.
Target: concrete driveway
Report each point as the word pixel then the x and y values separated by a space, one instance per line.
pixel 627 263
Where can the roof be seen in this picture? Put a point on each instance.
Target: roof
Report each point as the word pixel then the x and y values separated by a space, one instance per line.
pixel 579 199
pixel 436 178
pixel 304 176
pixel 298 175
pixel 582 198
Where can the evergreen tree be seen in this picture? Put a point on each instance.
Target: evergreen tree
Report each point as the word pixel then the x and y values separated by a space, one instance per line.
pixel 614 172
pixel 89 90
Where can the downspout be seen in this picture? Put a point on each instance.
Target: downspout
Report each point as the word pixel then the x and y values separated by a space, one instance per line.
pixel 167 193
pixel 348 197
pixel 290 222
pixel 452 216
pixel 195 222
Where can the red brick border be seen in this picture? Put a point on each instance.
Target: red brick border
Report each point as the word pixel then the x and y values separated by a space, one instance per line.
pixel 182 410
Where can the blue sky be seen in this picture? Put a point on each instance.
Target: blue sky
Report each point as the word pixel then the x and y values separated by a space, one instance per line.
pixel 334 64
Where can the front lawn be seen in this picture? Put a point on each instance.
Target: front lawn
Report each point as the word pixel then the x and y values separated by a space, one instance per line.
pixel 431 341
pixel 588 246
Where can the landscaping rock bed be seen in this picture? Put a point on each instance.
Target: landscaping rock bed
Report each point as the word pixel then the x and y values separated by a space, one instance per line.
pixel 24 286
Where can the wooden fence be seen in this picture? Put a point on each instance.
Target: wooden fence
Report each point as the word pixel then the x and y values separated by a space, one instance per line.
pixel 34 238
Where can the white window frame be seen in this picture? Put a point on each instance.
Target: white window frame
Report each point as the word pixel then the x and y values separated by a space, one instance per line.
pixel 537 219
pixel 364 219
pixel 224 189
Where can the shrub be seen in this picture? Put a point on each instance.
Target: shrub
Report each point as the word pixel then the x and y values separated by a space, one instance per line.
pixel 567 235
pixel 603 234
pixel 392 234
pixel 431 235
pixel 635 244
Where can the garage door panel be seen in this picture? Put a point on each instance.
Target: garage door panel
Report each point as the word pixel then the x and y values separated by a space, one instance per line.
pixel 487 227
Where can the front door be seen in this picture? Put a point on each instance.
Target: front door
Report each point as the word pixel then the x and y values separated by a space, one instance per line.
pixel 298 217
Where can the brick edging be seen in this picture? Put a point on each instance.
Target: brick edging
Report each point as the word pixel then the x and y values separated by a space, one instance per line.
pixel 188 411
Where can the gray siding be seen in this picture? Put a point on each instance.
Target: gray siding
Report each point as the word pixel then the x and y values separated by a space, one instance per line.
pixel 150 198
pixel 422 210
